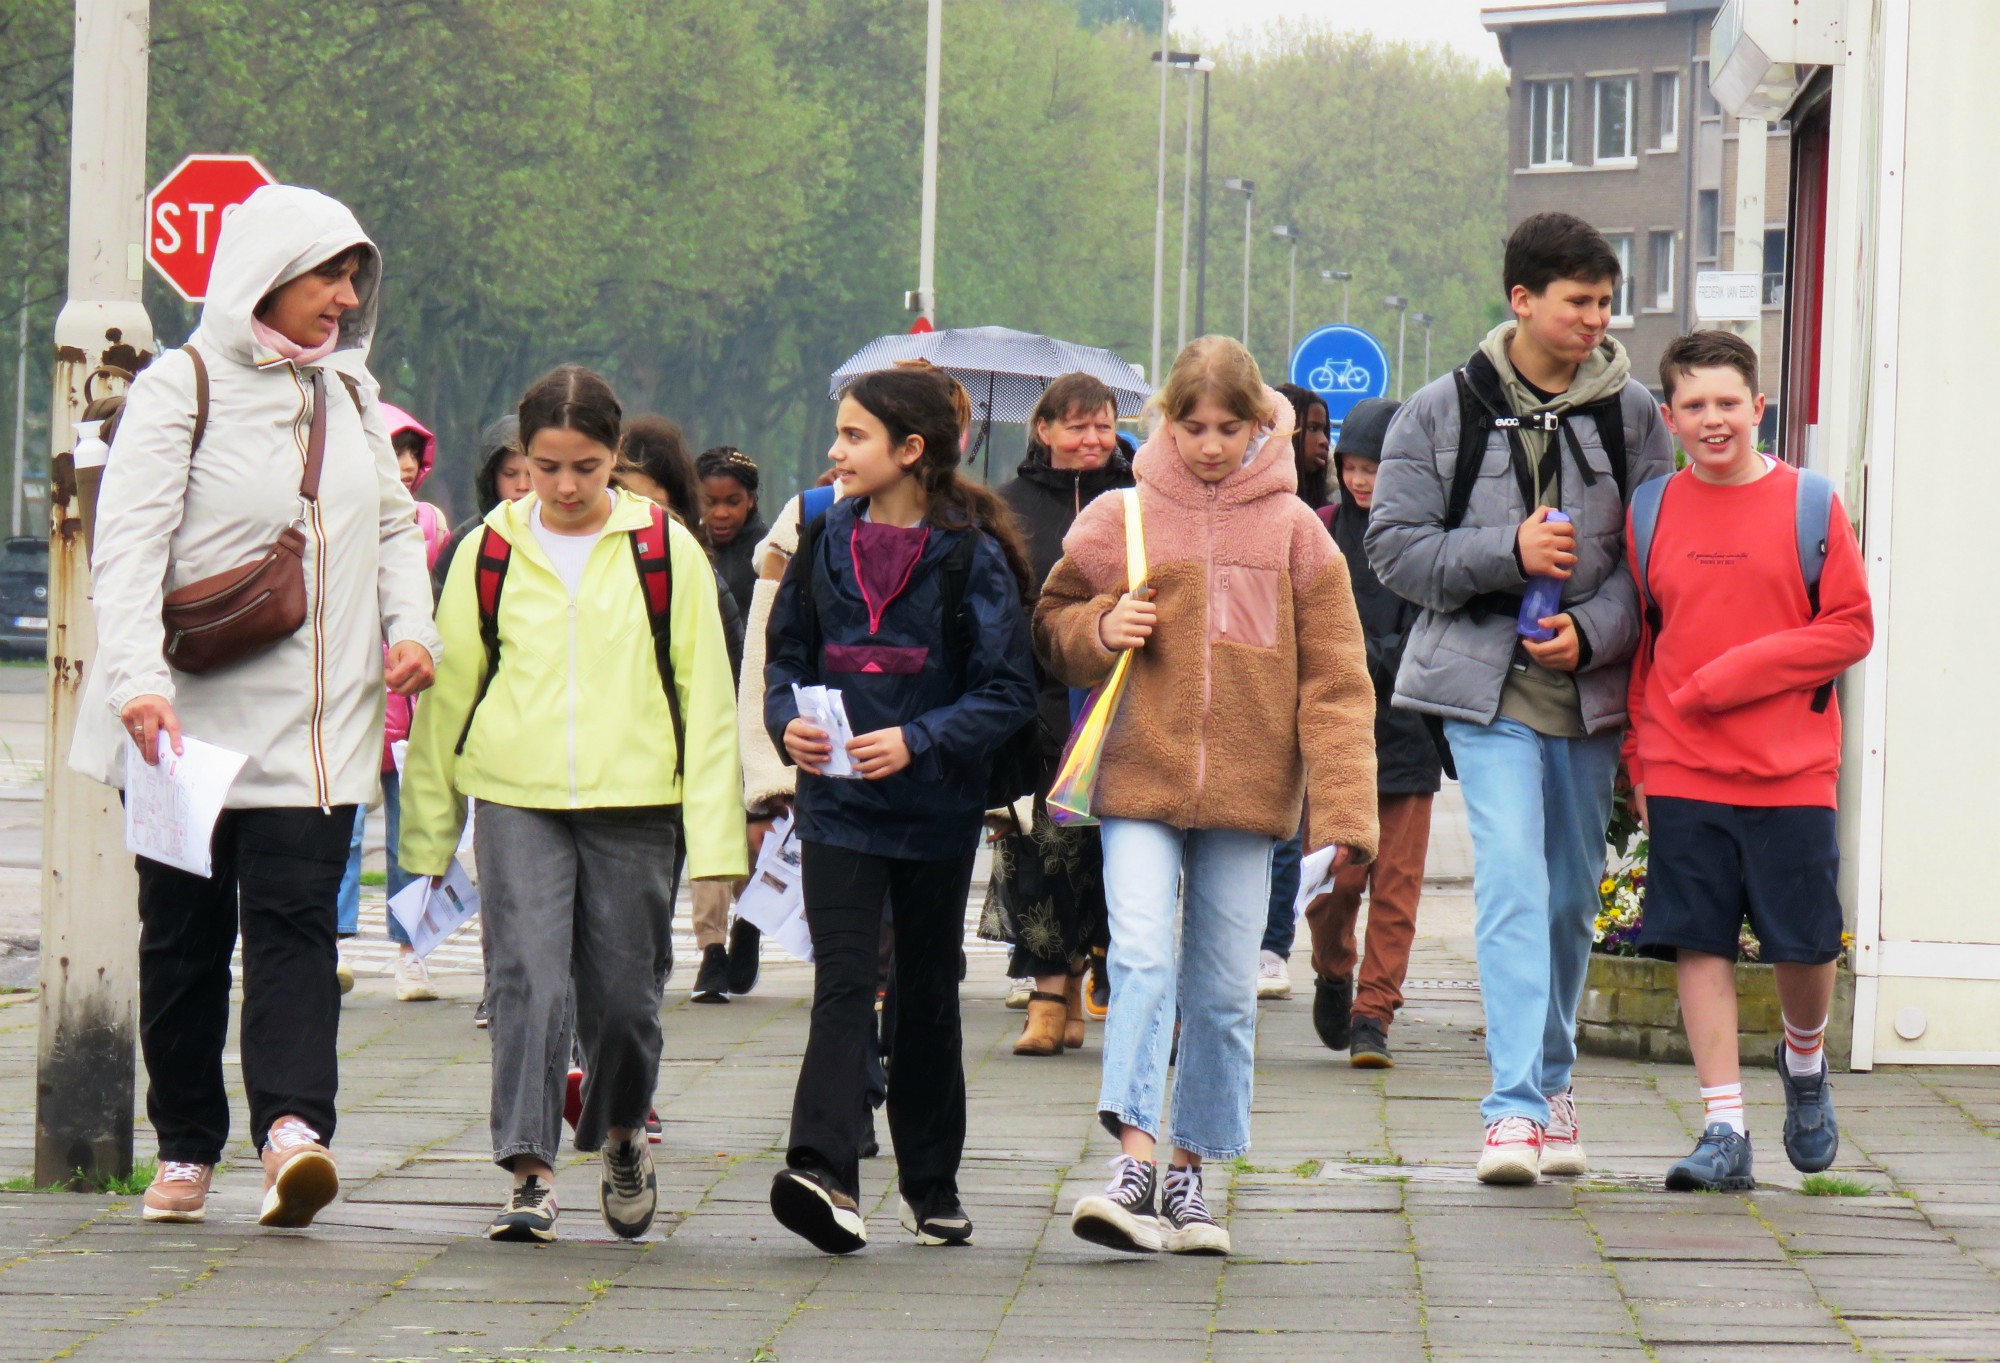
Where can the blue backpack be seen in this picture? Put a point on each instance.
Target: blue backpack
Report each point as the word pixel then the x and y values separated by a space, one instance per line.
pixel 1812 509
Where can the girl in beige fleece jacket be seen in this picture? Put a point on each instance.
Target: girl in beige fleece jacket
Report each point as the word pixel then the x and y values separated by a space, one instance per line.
pixel 1251 689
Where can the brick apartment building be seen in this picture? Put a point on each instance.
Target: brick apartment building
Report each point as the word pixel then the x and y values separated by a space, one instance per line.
pixel 1611 119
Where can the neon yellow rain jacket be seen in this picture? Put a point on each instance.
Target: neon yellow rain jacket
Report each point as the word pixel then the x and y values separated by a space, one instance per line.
pixel 576 717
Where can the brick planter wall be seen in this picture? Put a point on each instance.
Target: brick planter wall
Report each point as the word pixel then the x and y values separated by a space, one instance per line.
pixel 1632 1009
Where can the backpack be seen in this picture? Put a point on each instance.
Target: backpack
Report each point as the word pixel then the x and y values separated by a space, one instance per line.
pixel 1476 421
pixel 651 558
pixel 1812 509
pixel 1014 769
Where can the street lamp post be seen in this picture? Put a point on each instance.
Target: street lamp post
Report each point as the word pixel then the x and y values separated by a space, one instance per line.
pixel 1424 320
pixel 1248 189
pixel 1194 64
pixel 1160 205
pixel 1344 278
pixel 1201 228
pixel 1402 307
pixel 1290 236
pixel 924 301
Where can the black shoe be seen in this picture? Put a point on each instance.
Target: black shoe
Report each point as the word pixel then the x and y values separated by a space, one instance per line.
pixel 530 1214
pixel 1098 996
pixel 628 1191
pixel 870 1147
pixel 1186 1227
pixel 482 1017
pixel 941 1220
pixel 711 982
pixel 1123 1215
pixel 655 1133
pixel 1333 1012
pixel 809 1204
pixel 1369 1049
pixel 744 942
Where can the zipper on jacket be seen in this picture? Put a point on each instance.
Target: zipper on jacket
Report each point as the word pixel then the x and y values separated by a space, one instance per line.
pixel 316 738
pixel 1207 653
pixel 572 701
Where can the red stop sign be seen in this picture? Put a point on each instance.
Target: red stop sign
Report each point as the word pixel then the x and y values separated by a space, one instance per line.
pixel 184 216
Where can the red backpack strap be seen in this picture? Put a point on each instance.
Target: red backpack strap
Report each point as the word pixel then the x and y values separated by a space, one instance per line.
pixel 652 556
pixel 496 552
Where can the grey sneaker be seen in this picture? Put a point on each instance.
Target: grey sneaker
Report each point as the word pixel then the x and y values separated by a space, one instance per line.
pixel 1812 1135
pixel 1719 1163
pixel 1122 1216
pixel 1185 1224
pixel 530 1214
pixel 628 1191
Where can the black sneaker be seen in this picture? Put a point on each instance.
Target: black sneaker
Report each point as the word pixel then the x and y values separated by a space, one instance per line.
pixel 1369 1048
pixel 1122 1216
pixel 942 1220
pixel 1097 998
pixel 655 1133
pixel 1185 1224
pixel 711 982
pixel 809 1204
pixel 870 1146
pixel 744 943
pixel 530 1214
pixel 628 1191
pixel 1333 1012
pixel 482 1017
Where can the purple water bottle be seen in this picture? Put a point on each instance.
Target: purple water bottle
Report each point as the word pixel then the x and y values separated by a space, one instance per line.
pixel 1542 599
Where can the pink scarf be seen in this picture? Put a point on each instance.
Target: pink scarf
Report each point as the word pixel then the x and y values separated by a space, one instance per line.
pixel 285 348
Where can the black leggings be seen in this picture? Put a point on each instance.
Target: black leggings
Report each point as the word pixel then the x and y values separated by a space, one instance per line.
pixel 844 894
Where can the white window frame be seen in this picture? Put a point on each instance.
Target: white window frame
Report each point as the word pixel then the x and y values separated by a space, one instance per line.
pixel 1598 86
pixel 1621 297
pixel 1662 261
pixel 1666 112
pixel 1545 151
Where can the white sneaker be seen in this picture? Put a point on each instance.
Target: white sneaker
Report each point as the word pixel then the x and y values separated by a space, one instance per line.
pixel 1018 992
pixel 1513 1152
pixel 1274 976
pixel 343 973
pixel 1562 1143
pixel 413 980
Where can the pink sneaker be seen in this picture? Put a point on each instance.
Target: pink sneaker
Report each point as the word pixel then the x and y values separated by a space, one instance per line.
pixel 1513 1152
pixel 1562 1143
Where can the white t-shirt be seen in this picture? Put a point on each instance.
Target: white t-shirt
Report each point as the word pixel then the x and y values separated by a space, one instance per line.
pixel 569 553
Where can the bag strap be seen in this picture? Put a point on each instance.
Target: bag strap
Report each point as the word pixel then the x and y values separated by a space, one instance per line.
pixel 1474 425
pixel 1135 540
pixel 652 558
pixel 1812 511
pixel 495 554
pixel 802 566
pixel 1646 504
pixel 316 440
pixel 200 398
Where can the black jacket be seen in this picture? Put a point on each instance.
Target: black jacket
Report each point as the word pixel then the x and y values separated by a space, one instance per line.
pixel 1406 759
pixel 734 561
pixel 1045 500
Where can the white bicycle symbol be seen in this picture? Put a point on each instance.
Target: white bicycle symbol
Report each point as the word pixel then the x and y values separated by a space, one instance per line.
pixel 1339 376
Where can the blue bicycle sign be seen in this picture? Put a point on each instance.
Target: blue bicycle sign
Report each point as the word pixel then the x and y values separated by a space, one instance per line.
pixel 1343 364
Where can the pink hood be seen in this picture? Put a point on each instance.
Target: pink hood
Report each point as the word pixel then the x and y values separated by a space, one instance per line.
pixel 400 421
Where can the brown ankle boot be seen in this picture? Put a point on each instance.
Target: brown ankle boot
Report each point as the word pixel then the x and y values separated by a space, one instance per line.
pixel 1073 1023
pixel 1042 1034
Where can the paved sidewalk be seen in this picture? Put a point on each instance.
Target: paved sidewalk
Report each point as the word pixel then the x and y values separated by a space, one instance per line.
pixel 1359 1233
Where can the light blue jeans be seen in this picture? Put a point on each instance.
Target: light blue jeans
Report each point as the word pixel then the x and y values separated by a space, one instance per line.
pixel 1538 807
pixel 348 919
pixel 1207 970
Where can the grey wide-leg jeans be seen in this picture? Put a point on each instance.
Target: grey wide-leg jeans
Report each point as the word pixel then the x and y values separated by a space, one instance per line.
pixel 578 907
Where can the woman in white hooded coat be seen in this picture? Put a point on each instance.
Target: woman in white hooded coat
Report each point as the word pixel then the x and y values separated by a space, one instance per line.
pixel 291 306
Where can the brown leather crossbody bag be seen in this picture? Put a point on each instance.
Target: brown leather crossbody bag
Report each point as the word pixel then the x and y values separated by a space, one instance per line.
pixel 243 611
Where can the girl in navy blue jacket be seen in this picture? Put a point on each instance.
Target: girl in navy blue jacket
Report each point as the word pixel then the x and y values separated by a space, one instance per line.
pixel 907 595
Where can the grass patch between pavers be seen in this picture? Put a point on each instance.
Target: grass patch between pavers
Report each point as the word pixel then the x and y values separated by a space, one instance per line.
pixel 374 877
pixel 1834 1185
pixel 129 1185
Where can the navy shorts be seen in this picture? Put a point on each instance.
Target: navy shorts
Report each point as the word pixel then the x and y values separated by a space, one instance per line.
pixel 1713 865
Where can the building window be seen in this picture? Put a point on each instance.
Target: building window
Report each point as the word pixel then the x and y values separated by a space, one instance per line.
pixel 1667 111
pixel 1614 119
pixel 1660 256
pixel 1774 267
pixel 1708 225
pixel 1705 102
pixel 1548 123
pixel 1621 297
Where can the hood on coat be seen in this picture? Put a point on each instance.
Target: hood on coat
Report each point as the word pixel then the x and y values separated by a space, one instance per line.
pixel 1600 376
pixel 278 234
pixel 496 442
pixel 1159 464
pixel 1361 436
pixel 400 421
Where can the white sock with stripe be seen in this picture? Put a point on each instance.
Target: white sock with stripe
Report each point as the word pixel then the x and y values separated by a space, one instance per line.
pixel 1804 1048
pixel 1724 1103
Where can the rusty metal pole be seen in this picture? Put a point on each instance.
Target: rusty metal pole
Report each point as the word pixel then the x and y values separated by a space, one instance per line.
pixel 90 931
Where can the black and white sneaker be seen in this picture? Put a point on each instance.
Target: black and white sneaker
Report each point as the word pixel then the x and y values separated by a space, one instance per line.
pixel 1122 1216
pixel 482 1016
pixel 711 982
pixel 1185 1224
pixel 628 1191
pixel 744 943
pixel 942 1220
pixel 530 1214
pixel 809 1204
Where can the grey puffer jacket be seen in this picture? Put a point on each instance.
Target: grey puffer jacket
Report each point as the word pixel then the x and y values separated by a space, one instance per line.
pixel 1455 663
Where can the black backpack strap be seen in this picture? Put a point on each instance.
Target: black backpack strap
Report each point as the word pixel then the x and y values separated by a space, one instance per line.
pixel 652 557
pixel 495 555
pixel 1610 418
pixel 1475 423
pixel 807 607
pixel 954 577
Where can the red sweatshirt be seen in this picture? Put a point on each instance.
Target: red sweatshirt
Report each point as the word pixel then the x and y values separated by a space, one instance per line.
pixel 1721 703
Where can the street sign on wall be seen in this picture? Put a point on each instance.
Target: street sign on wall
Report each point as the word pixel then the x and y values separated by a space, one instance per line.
pixel 184 216
pixel 1728 296
pixel 1343 364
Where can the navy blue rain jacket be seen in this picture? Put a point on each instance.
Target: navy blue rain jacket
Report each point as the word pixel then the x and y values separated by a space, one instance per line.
pixel 903 674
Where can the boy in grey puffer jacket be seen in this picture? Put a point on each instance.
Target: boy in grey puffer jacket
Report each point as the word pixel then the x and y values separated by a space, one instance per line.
pixel 1534 726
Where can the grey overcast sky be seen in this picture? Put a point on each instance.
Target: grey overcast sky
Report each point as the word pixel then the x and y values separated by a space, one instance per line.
pixel 1453 22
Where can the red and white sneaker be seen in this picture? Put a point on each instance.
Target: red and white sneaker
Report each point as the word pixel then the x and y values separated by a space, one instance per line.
pixel 573 1098
pixel 1513 1152
pixel 1562 1143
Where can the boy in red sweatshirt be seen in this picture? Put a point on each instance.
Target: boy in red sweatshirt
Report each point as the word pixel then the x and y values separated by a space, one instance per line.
pixel 1734 746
